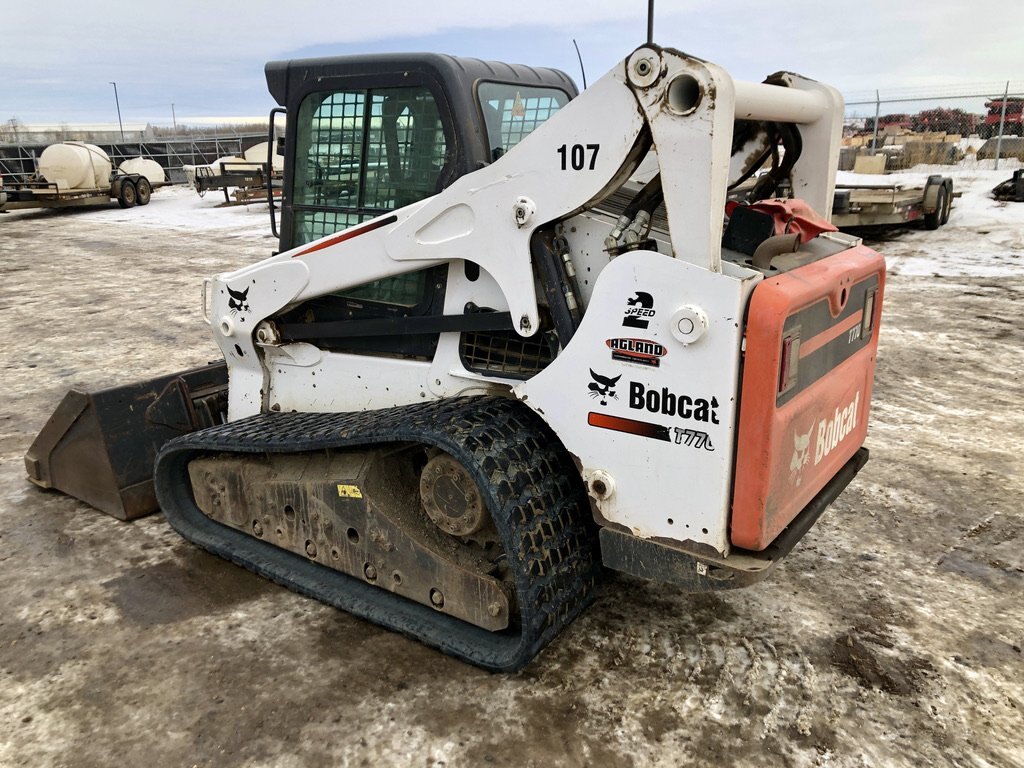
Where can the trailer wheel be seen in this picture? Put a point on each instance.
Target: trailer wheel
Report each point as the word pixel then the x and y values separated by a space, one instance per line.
pixel 144 191
pixel 949 203
pixel 128 196
pixel 933 220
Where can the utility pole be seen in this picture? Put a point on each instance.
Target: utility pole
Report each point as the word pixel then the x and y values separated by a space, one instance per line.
pixel 174 119
pixel 118 103
pixel 874 133
pixel 1002 125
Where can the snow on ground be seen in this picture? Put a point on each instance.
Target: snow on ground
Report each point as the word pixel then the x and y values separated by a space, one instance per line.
pixel 983 236
pixel 891 636
pixel 178 207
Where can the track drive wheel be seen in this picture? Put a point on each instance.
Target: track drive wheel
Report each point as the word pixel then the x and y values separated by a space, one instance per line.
pixel 144 190
pixel 128 196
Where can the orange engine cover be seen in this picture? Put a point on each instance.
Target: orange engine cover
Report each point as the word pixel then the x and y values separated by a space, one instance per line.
pixel 811 344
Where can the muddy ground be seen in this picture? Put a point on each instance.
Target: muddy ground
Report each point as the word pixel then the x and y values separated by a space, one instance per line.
pixel 891 637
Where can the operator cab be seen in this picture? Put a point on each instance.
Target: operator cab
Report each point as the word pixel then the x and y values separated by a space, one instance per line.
pixel 370 134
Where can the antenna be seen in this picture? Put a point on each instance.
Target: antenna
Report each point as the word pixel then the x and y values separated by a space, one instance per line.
pixel 582 70
pixel 650 21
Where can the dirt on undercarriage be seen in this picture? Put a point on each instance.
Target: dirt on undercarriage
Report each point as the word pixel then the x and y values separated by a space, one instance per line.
pixel 890 637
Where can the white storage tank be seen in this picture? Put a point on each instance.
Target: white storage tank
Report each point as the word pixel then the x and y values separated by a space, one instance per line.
pixel 74 165
pixel 258 154
pixel 143 166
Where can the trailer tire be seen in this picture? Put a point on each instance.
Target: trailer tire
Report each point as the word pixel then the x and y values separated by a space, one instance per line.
pixel 144 191
pixel 128 195
pixel 933 220
pixel 949 202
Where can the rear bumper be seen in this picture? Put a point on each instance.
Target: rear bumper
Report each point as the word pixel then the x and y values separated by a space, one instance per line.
pixel 697 572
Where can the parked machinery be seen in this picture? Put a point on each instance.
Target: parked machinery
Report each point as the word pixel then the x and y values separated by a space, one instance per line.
pixel 72 174
pixel 485 362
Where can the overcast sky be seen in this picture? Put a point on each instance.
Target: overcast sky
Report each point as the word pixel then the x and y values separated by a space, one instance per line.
pixel 206 56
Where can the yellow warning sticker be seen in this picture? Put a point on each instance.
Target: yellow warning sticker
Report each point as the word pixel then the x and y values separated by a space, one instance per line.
pixel 349 492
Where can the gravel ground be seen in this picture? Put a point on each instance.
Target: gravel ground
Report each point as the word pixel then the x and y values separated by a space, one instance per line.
pixel 891 636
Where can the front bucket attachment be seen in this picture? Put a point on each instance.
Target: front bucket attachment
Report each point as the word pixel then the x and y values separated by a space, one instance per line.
pixel 99 447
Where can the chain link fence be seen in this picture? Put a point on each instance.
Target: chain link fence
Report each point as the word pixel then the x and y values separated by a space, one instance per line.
pixel 18 160
pixel 884 130
pixel 897 129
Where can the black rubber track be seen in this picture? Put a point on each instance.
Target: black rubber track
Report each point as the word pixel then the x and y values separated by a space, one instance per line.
pixel 533 492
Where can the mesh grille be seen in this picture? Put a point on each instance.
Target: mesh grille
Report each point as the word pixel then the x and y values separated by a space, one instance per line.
pixel 513 112
pixel 507 353
pixel 312 225
pixel 520 118
pixel 362 153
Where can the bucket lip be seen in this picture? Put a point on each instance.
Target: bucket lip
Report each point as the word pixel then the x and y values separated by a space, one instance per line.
pixel 100 446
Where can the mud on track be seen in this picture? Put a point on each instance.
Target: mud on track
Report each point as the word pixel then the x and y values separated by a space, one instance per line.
pixel 891 637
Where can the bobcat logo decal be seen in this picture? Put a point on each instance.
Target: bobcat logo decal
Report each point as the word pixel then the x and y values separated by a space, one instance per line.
pixel 237 300
pixel 603 387
pixel 801 455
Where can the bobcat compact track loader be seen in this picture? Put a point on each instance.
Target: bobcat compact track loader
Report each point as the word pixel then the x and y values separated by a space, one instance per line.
pixel 488 361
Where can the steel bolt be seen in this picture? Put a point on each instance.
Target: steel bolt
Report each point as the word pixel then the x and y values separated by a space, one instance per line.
pixel 257 529
pixel 370 572
pixel 494 609
pixel 436 598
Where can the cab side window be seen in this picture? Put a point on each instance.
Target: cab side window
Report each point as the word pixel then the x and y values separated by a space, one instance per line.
pixel 362 153
pixel 513 112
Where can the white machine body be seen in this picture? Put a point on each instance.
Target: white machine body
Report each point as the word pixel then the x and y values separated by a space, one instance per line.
pixel 644 396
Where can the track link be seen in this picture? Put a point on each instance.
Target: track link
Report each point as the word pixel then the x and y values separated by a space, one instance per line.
pixel 532 489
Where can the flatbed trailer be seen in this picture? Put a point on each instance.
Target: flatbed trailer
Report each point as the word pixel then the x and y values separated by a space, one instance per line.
pixel 884 205
pixel 249 179
pixel 127 189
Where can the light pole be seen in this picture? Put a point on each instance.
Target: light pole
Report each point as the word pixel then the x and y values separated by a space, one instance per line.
pixel 118 103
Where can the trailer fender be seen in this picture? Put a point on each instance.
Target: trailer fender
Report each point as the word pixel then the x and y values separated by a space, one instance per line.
pixel 932 188
pixel 938 198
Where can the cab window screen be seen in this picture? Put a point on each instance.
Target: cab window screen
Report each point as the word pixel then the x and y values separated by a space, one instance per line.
pixel 513 112
pixel 361 153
